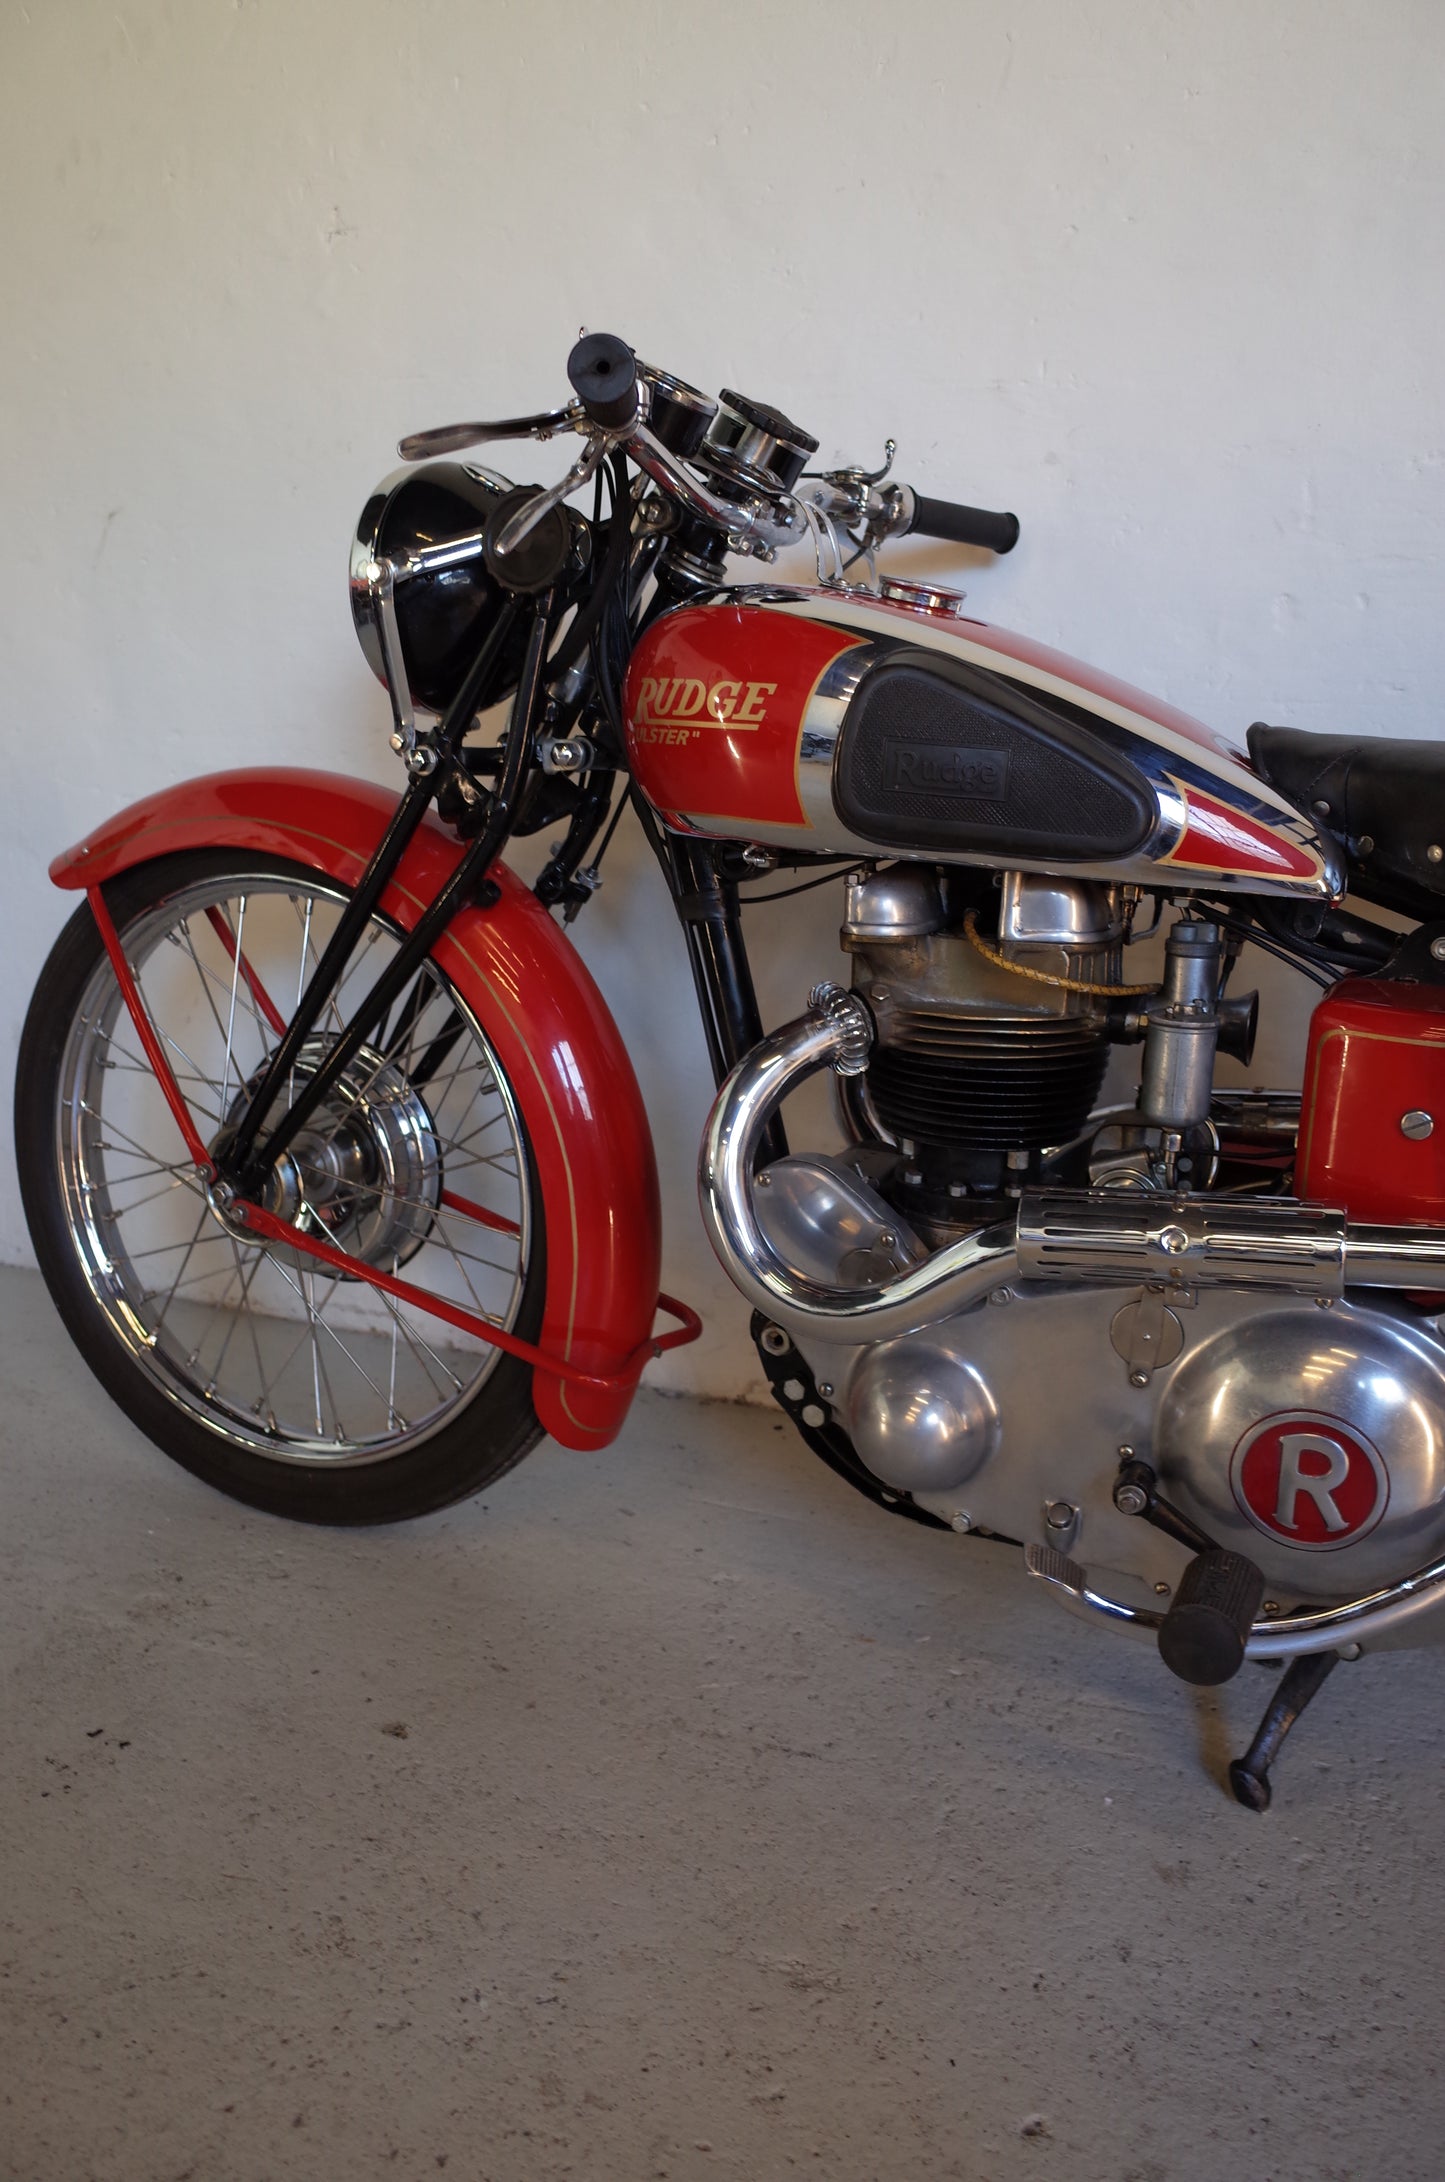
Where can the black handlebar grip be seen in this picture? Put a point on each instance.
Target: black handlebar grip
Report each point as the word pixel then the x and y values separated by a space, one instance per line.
pixel 603 372
pixel 949 519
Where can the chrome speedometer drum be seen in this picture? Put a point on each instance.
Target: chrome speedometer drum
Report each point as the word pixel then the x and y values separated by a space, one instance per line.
pixel 752 444
pixel 444 614
pixel 677 414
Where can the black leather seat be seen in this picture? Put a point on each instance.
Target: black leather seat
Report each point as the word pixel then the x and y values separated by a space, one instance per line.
pixel 1383 797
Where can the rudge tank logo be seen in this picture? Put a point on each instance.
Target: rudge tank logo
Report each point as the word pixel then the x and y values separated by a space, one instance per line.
pixel 1310 1480
pixel 675 708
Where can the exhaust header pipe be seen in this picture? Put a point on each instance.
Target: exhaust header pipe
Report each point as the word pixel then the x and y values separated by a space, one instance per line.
pixel 836 1032
pixel 1117 1239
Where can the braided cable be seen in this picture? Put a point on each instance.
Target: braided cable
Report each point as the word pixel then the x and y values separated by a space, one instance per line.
pixel 1046 977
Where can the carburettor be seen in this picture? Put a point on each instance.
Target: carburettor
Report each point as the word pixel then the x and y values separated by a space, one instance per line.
pixel 1187 1026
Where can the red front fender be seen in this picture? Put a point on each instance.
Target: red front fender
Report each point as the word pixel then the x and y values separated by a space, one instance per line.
pixel 538 1005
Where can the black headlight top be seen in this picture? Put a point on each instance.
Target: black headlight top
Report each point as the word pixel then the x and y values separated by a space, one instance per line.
pixel 444 616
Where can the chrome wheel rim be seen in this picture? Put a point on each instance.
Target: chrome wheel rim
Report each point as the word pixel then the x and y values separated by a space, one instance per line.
pixel 262 1344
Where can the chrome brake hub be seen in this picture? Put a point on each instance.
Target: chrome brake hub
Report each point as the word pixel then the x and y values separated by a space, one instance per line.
pixel 365 1174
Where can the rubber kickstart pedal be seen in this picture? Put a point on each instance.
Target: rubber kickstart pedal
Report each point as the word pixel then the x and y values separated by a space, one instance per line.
pixel 1203 1635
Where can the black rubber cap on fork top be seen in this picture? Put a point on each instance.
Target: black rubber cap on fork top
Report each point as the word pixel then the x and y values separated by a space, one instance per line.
pixel 1203 1635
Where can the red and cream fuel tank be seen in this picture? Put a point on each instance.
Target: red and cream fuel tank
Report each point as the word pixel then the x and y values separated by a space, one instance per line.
pixel 838 721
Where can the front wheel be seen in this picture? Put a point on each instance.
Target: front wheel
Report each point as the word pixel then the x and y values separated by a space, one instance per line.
pixel 293 1388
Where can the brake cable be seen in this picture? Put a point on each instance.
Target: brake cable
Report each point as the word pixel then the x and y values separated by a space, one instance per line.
pixel 614 563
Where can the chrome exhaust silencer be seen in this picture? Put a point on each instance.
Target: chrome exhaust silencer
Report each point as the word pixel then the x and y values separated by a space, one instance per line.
pixel 1202 1242
pixel 1187 1242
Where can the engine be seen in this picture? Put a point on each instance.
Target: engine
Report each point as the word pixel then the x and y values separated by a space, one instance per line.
pixel 991 1007
pixel 1304 1431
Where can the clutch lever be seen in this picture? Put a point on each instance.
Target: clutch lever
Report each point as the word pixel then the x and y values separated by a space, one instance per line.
pixel 449 439
pixel 529 515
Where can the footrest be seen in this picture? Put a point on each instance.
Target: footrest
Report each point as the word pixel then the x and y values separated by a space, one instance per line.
pixel 1203 1635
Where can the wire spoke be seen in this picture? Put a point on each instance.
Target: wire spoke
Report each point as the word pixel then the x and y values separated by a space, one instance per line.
pixel 257 1262
pixel 242 1310
pixel 326 1328
pixel 269 1348
pixel 151 1166
pixel 489 1159
pixel 461 1143
pixel 245 995
pixel 415 1341
pixel 197 1242
pixel 378 1196
pixel 470 1258
pixel 259 1002
pixel 190 1253
pixel 356 1093
pixel 231 1018
pixel 438 1098
pixel 307 1283
pixel 123 1212
pixel 131 1066
pixel 300 982
pixel 207 1278
pixel 199 1077
pixel 482 1311
pixel 183 940
pixel 129 1144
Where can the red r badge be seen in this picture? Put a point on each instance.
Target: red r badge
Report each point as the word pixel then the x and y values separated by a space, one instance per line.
pixel 1310 1480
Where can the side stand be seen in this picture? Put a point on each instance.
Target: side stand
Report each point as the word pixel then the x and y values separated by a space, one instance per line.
pixel 1302 1680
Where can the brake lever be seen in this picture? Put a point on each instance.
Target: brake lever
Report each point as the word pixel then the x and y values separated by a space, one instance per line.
pixel 854 482
pixel 449 439
pixel 529 515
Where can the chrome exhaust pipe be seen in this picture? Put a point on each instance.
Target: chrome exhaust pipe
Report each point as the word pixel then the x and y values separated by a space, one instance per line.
pixel 1203 1242
pixel 836 1032
pixel 1111 1237
pixel 1185 1242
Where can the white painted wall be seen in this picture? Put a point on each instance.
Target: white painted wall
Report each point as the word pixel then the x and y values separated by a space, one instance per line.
pixel 1163 275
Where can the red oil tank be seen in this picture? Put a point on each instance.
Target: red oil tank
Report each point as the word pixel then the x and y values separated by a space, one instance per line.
pixel 1372 1118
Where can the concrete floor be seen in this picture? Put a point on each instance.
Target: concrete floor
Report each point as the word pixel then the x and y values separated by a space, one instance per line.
pixel 669 1812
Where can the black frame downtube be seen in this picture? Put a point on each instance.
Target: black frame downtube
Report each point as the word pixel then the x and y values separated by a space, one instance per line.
pixel 706 900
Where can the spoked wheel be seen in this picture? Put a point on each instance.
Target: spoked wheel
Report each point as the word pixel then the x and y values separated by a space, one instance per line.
pixel 286 1384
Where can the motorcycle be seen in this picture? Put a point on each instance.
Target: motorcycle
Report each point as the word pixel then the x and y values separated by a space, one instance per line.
pixel 339 1175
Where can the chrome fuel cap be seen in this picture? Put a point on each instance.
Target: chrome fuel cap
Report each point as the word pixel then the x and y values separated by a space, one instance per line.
pixel 924 598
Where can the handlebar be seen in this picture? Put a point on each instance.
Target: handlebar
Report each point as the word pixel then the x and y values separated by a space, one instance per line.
pixel 609 412
pixel 952 521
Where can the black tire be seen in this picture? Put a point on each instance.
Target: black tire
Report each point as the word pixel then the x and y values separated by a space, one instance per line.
pixel 480 1432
